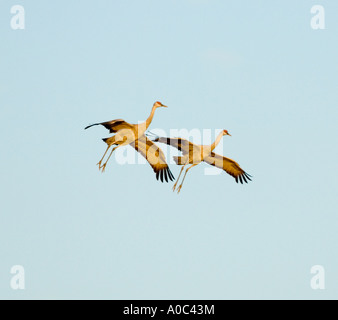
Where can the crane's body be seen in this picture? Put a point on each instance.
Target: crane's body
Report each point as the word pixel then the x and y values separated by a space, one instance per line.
pixel 195 154
pixel 133 135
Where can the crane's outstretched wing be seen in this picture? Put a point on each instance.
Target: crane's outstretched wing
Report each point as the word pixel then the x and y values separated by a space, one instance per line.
pixel 228 165
pixel 114 125
pixel 155 157
pixel 179 143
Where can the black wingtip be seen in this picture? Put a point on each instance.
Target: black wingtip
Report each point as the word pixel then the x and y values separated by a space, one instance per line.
pixel 91 125
pixel 171 176
pixel 244 177
pixel 248 176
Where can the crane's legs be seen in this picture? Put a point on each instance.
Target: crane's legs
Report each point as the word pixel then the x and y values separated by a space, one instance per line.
pixel 99 163
pixel 104 165
pixel 186 171
pixel 174 187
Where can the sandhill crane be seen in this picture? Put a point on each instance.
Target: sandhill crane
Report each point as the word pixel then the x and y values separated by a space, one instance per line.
pixel 195 154
pixel 133 135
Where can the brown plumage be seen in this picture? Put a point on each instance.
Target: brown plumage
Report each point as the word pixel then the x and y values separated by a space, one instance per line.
pixel 133 135
pixel 229 166
pixel 194 154
pixel 155 157
pixel 113 126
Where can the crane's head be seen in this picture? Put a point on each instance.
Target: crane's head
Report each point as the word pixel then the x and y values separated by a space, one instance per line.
pixel 226 133
pixel 158 104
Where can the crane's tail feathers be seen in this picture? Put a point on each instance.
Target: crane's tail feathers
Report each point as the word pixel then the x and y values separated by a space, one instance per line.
pixel 92 125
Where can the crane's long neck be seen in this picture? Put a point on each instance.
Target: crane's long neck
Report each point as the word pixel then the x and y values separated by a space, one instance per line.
pixel 150 118
pixel 217 141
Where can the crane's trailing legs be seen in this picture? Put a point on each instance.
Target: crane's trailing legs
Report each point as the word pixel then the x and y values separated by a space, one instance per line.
pixel 174 187
pixel 99 163
pixel 110 142
pixel 105 164
pixel 133 135
pixel 186 171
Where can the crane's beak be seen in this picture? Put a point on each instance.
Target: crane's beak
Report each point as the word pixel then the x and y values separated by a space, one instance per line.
pixel 164 106
pixel 229 134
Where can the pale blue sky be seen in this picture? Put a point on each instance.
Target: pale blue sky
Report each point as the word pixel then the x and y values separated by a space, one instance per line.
pixel 255 68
